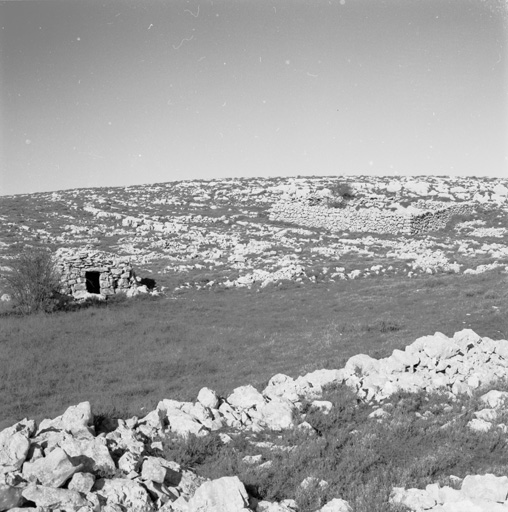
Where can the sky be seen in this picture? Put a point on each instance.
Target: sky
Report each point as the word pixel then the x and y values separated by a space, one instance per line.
pixel 117 93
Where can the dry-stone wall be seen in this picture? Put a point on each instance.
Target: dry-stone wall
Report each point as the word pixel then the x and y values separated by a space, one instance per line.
pixel 437 216
pixel 94 272
pixel 405 221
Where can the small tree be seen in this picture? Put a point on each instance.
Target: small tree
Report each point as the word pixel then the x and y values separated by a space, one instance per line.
pixel 34 282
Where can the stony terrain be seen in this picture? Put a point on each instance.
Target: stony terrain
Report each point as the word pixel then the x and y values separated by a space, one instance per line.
pixel 219 233
pixel 204 235
pixel 66 464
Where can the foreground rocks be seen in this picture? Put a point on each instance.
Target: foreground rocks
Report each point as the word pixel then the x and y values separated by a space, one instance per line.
pixel 477 493
pixel 66 464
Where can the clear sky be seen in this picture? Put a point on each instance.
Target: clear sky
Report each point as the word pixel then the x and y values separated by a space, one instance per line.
pixel 121 92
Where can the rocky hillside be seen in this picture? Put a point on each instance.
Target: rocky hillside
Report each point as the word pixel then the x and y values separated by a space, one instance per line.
pixel 218 233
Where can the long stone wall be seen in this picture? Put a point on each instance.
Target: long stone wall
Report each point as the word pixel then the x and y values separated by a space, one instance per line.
pixel 94 272
pixel 373 220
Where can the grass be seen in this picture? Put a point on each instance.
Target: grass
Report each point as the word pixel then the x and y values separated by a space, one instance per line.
pixel 125 356
pixel 129 355
pixel 424 440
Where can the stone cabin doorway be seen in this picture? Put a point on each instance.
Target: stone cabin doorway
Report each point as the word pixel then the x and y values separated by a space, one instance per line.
pixel 93 282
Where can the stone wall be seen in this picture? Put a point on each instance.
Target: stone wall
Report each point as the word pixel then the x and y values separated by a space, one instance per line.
pixel 114 274
pixel 437 218
pixel 374 220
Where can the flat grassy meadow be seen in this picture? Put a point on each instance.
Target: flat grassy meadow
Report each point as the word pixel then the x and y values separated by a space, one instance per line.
pixel 126 355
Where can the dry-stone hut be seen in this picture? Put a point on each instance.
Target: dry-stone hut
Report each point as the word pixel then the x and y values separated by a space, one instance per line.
pixel 89 272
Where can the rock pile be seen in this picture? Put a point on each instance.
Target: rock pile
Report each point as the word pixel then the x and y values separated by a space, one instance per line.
pixel 65 464
pixel 456 365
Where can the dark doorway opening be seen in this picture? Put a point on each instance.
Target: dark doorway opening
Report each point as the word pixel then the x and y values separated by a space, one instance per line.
pixel 148 282
pixel 92 282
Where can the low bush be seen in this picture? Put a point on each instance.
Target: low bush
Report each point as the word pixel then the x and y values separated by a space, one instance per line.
pixel 342 193
pixel 34 282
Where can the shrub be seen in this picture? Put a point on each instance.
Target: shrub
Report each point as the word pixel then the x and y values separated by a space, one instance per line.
pixel 34 282
pixel 341 194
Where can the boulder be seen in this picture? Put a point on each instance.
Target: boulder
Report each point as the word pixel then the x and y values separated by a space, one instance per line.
pixel 361 364
pixel 53 470
pixel 495 399
pixel 51 498
pixel 81 482
pixel 92 454
pixel 226 494
pixel 414 499
pixel 208 398
pixel 124 492
pixel 322 378
pixel 14 445
pixel 162 471
pixel 336 505
pixel 438 346
pixel 180 422
pixel 10 497
pixel 246 397
pixel 283 386
pixel 466 339
pixel 277 414
pixel 488 487
pixel 75 420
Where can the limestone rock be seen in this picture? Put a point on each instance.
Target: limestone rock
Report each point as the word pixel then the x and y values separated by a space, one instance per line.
pixel 81 482
pixel 322 378
pixel 325 406
pixel 129 462
pixel 336 505
pixel 14 445
pixel 10 497
pixel 283 386
pixel 487 487
pixel 184 424
pixel 277 414
pixel 226 494
pixel 245 397
pixel 362 364
pixel 470 505
pixel 51 471
pixel 92 454
pixel 159 470
pixel 414 499
pixel 127 493
pixel 124 438
pixel 49 497
pixel 495 399
pixel 76 419
pixel 208 398
pixel 268 506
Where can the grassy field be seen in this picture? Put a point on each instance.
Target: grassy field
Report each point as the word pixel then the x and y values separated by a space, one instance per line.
pixel 126 356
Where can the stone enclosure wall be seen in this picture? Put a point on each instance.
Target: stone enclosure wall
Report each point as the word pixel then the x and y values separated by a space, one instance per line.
pixel 94 272
pixel 410 222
